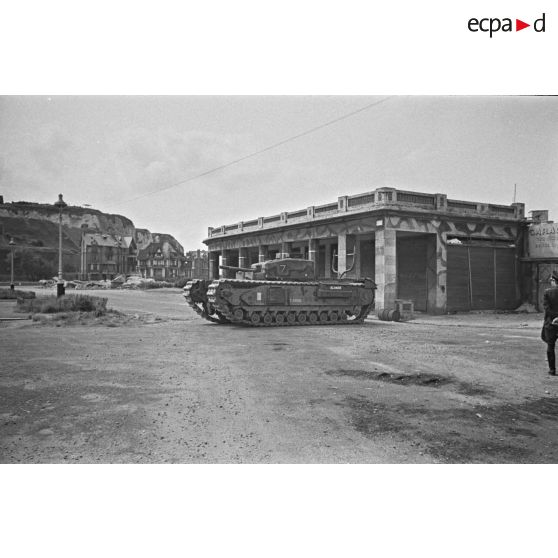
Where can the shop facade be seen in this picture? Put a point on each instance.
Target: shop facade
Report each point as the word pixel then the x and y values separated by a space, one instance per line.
pixel 540 257
pixel 443 255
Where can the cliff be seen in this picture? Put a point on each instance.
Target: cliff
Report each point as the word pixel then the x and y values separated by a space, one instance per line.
pixel 34 229
pixel 74 219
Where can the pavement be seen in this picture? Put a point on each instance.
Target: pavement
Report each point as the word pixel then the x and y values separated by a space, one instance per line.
pixel 456 388
pixel 463 319
pixel 475 319
pixel 486 319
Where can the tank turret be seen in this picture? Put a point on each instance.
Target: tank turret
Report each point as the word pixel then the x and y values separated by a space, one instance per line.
pixel 287 269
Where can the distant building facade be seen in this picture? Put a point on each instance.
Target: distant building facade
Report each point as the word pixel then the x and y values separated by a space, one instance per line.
pixel 443 255
pixel 105 256
pixel 196 265
pixel 162 258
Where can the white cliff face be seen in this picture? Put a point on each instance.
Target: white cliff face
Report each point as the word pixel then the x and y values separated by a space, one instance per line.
pixel 36 225
pixel 143 238
pixel 74 218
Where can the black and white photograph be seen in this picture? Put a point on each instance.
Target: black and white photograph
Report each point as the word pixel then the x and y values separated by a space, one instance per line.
pixel 312 279
pixel 225 296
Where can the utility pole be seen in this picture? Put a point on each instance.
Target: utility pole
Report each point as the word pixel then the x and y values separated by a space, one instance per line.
pixel 60 204
pixel 11 245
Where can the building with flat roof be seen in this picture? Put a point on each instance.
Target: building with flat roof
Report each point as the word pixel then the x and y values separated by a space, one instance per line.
pixel 443 255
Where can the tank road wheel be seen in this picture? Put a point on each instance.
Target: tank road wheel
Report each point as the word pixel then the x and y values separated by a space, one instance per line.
pixel 343 316
pixel 291 318
pixel 323 317
pixel 333 317
pixel 313 318
pixel 267 318
pixel 279 318
pixel 238 314
pixel 255 318
pixel 302 318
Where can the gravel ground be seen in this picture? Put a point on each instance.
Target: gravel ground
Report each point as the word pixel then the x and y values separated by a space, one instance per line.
pixel 164 386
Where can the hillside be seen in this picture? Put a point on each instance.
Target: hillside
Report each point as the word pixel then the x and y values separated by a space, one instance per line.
pixel 72 218
pixel 34 229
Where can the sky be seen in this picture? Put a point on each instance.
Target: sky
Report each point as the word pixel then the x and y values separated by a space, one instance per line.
pixel 126 154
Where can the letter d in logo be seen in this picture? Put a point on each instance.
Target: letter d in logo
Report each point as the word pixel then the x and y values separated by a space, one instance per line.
pixel 538 26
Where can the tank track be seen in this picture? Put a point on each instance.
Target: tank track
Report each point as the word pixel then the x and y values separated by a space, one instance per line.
pixel 217 312
pixel 198 303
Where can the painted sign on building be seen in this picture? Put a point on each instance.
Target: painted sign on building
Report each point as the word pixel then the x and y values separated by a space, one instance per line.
pixel 543 240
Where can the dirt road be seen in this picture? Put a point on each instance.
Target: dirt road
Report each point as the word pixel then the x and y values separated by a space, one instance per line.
pixel 182 390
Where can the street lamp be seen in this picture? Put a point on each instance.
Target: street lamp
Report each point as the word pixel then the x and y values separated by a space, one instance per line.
pixel 60 204
pixel 11 244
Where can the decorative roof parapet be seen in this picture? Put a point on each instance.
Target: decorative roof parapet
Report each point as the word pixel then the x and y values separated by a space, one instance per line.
pixel 381 198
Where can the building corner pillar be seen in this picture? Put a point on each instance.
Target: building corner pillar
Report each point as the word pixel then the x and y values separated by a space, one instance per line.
pixel 313 249
pixel 386 269
pixel 341 254
pixel 441 259
pixel 243 257
pixel 213 265
pixel 286 248
pixel 327 271
pixel 224 273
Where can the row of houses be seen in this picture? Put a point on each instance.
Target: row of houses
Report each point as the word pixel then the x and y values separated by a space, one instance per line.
pixel 152 256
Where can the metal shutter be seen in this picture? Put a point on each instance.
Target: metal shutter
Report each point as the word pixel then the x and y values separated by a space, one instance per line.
pixel 506 290
pixel 480 278
pixel 411 271
pixel 458 297
pixel 481 262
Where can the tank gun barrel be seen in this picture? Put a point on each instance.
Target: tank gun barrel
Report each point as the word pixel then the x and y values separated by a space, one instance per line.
pixel 235 268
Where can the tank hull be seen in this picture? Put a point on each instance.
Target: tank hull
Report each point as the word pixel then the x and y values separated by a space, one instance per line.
pixel 259 303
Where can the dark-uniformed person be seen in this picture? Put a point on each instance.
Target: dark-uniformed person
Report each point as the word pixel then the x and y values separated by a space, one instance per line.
pixel 550 331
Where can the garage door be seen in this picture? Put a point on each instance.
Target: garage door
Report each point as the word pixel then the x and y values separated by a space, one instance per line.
pixel 481 278
pixel 458 297
pixel 506 285
pixel 481 262
pixel 411 271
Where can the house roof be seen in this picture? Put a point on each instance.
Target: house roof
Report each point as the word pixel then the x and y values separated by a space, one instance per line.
pixel 127 241
pixel 152 248
pixel 164 237
pixel 99 239
pixel 95 239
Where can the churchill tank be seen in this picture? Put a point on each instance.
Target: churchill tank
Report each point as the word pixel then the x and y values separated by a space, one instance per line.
pixel 281 292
